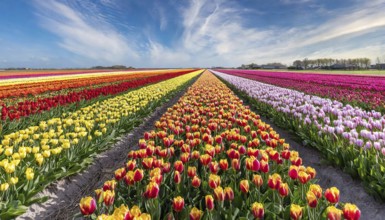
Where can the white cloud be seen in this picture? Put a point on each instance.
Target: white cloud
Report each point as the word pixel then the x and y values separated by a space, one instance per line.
pixel 88 36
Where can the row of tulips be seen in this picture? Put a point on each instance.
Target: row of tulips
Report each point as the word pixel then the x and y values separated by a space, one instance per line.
pixel 367 92
pixel 43 73
pixel 68 84
pixel 210 157
pixel 348 136
pixel 27 108
pixel 36 86
pixel 34 157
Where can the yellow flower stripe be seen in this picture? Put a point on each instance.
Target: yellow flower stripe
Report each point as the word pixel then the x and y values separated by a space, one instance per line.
pixel 40 146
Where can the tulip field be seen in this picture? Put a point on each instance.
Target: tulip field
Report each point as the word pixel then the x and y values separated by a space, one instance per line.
pixel 209 156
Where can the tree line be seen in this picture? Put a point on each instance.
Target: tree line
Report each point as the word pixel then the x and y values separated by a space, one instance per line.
pixel 330 63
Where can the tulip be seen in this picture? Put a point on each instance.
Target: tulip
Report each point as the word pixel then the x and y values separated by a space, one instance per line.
pixel 257 180
pixel 195 182
pixel 108 197
pixel 87 205
pixel 295 211
pixel 152 190
pixel 29 174
pixel 214 181
pixel 257 210
pixel 333 213
pixel 4 187
pixel 264 166
pixel 138 175
pixel 177 177
pixel 178 166
pixel 191 171
pixel 185 157
pixel 351 212
pixel 195 214
pixel 109 185
pixel 131 164
pixel 166 167
pixel 311 199
pixel 244 186
pixel 303 177
pixel 129 178
pixel 147 162
pixel 209 201
pixel 316 189
pixel 235 164
pixel 285 154
pixel 311 171
pixel 229 193
pixel 332 195
pixel 120 173
pixel 283 189
pixel 205 159
pixel 178 204
pixel 274 181
pixel 252 164
pixel 219 195
pixel 223 164
pixel 195 154
pixel 293 172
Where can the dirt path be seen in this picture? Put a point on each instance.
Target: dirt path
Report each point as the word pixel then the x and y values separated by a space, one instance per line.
pixel 65 194
pixel 350 190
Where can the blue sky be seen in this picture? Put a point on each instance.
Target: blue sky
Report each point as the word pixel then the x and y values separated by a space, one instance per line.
pixel 187 33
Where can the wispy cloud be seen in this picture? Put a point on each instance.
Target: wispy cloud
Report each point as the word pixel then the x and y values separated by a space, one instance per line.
pixel 87 36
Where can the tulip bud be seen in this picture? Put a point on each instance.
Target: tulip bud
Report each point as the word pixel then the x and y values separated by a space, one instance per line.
pixel 274 181
pixel 283 189
pixel 147 162
pixel 229 193
pixel 191 171
pixel 295 211
pixel 257 180
pixel 235 164
pixel 223 164
pixel 351 212
pixel 264 166
pixel 185 157
pixel 138 175
pixel 177 177
pixel 214 181
pixel 257 210
pixel 244 186
pixel 131 164
pixel 120 173
pixel 108 197
pixel 152 190
pixel 178 166
pixel 29 174
pixel 214 167
pixel 311 171
pixel 311 199
pixel 178 204
pixel 109 185
pixel 316 189
pixel 332 195
pixel 195 182
pixel 333 213
pixel 87 205
pixel 219 195
pixel 205 159
pixel 293 172
pixel 209 200
pixel 303 177
pixel 195 214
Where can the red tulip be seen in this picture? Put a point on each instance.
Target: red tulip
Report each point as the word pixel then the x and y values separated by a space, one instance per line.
pixel 351 212
pixel 332 195
pixel 195 182
pixel 214 181
pixel 219 194
pixel 257 210
pixel 293 172
pixel 244 186
pixel 223 164
pixel 138 175
pixel 178 166
pixel 87 205
pixel 229 193
pixel 152 190
pixel 178 204
pixel 311 199
pixel 195 214
pixel 295 212
pixel 283 189
pixel 333 213
pixel 209 201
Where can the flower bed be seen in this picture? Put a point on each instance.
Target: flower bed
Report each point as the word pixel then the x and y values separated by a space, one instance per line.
pixel 367 92
pixel 210 157
pixel 349 137
pixel 32 158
